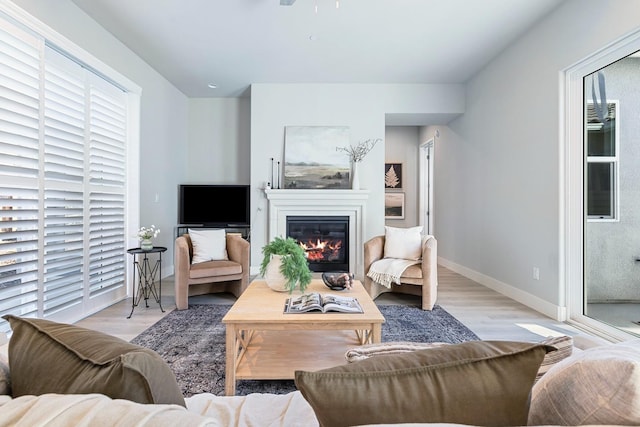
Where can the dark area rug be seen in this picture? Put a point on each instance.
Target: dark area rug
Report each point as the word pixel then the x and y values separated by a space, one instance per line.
pixel 192 342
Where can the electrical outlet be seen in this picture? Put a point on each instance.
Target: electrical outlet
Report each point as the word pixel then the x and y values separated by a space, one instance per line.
pixel 536 273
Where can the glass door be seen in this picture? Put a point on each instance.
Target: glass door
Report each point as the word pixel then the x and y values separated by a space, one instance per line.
pixel 611 205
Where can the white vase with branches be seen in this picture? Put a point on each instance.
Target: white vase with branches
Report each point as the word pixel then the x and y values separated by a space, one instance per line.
pixel 356 154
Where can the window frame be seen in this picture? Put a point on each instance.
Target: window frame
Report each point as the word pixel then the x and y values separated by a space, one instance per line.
pixel 612 160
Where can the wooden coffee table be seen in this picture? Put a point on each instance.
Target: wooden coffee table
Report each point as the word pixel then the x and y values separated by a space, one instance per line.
pixel 264 343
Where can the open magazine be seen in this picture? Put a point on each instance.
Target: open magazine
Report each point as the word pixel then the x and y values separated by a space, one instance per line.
pixel 317 302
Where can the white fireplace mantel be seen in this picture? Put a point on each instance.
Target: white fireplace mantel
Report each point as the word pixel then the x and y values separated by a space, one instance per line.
pixel 350 203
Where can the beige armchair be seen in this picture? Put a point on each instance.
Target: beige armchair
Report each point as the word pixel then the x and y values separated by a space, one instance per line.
pixel 419 279
pixel 230 275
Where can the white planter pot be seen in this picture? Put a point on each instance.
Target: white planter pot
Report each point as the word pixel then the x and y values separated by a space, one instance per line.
pixel 272 275
pixel 146 244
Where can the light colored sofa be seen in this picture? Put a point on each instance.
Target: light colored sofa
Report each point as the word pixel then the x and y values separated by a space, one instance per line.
pixel 606 368
pixel 201 410
pixel 63 375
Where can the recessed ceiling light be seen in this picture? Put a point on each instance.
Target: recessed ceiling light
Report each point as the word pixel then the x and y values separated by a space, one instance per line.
pixel 212 85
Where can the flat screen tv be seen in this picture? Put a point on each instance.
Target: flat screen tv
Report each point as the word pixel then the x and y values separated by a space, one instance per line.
pixel 214 205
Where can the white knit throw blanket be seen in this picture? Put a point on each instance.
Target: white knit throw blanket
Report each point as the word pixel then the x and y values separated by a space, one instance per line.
pixel 386 271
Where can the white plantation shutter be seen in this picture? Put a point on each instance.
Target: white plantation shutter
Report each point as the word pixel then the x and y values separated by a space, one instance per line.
pixel 64 120
pixel 18 251
pixel 107 155
pixel 63 251
pixel 107 243
pixel 63 135
pixel 19 149
pixel 107 134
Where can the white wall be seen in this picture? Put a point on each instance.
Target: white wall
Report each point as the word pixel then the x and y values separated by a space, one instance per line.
pixel 497 167
pixel 219 141
pixel 361 107
pixel 164 110
pixel 402 146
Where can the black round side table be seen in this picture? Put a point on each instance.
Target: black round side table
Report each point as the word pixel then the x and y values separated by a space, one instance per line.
pixel 147 274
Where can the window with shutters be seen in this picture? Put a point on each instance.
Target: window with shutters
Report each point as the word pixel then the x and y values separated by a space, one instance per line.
pixel 63 161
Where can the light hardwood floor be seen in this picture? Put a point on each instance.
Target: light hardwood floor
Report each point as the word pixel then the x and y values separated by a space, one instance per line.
pixel 489 314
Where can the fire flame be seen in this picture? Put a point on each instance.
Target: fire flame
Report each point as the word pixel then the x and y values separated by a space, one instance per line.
pixel 321 250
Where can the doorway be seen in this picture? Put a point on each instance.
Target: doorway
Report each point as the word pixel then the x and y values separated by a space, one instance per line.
pixel 601 215
pixel 425 186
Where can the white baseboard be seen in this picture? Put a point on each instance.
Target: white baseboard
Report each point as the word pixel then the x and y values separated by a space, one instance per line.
pixel 548 309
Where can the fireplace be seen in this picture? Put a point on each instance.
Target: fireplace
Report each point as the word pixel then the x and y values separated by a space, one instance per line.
pixel 325 240
pixel 349 203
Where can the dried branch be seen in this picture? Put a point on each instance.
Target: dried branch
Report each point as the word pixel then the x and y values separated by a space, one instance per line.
pixel 357 153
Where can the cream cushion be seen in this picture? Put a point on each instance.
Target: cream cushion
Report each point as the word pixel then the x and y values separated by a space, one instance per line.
pixel 5 378
pixel 94 410
pixel 563 346
pixel 376 349
pixel 255 409
pixel 600 385
pixel 403 243
pixel 208 245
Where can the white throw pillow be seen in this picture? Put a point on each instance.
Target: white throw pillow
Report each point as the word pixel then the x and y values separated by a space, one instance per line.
pixel 403 243
pixel 208 245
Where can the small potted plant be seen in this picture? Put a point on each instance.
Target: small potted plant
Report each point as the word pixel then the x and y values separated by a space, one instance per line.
pixel 284 266
pixel 145 234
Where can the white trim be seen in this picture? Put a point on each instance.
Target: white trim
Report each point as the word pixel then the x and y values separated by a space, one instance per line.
pixel 427 150
pixel 132 209
pixel 572 189
pixel 554 311
pixel 69 47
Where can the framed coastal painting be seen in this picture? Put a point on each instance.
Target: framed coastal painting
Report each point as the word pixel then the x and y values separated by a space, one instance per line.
pixel 394 206
pixel 393 175
pixel 311 160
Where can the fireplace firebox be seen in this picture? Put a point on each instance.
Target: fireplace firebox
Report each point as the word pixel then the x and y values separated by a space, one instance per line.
pixel 325 240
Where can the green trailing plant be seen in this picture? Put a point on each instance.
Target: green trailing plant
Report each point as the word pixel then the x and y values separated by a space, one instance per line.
pixel 294 268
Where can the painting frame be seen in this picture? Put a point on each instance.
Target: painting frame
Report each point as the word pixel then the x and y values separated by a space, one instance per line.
pixel 311 158
pixel 393 176
pixel 394 203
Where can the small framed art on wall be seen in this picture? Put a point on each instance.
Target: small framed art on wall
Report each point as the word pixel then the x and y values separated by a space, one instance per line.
pixel 393 175
pixel 394 205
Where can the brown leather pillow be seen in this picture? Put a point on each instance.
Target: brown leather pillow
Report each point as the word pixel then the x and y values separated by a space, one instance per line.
pixel 49 357
pixel 478 383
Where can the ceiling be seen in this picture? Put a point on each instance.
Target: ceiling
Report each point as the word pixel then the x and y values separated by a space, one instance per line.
pixel 234 43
